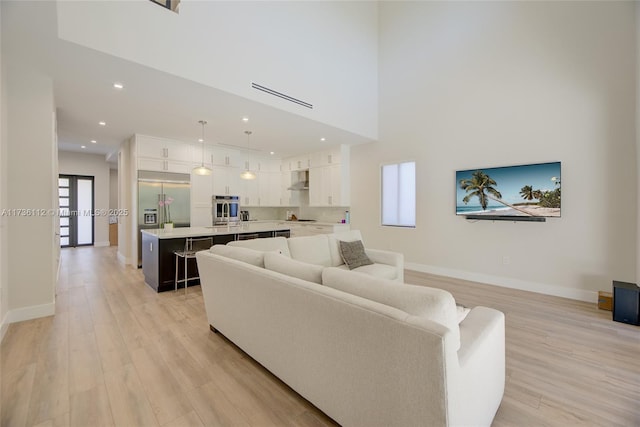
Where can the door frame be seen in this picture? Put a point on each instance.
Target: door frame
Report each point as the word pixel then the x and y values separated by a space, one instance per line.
pixel 73 209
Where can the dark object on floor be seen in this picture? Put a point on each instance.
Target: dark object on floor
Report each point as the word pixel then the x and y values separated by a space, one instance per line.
pixel 626 303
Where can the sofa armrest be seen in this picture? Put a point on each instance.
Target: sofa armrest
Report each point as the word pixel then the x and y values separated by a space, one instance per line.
pixel 395 259
pixel 482 327
pixel 481 359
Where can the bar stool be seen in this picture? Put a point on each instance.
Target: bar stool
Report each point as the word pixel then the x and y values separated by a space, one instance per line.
pixel 191 246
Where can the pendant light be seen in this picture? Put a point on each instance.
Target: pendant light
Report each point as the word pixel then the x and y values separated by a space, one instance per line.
pixel 247 174
pixel 202 169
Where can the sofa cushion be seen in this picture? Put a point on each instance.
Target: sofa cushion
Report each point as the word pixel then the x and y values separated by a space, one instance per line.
pixel 353 254
pixel 334 246
pixel 383 271
pixel 248 255
pixel 265 245
pixel 291 267
pixel 311 249
pixel 436 305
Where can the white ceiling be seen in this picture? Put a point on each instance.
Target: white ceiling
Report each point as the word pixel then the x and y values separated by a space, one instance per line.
pixel 152 102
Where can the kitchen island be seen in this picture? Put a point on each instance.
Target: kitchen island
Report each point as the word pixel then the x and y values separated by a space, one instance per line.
pixel 158 246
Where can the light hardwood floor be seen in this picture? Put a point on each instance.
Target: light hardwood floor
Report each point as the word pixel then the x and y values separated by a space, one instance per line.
pixel 117 353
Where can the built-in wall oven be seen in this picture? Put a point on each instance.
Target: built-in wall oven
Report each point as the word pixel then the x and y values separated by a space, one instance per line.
pixel 226 209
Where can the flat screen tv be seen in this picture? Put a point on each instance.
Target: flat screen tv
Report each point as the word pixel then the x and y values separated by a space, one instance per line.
pixel 523 192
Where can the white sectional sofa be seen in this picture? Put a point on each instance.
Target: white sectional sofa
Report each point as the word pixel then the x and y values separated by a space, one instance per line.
pixel 323 250
pixel 367 351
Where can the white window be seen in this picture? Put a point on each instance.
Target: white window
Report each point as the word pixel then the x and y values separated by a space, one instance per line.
pixel 399 194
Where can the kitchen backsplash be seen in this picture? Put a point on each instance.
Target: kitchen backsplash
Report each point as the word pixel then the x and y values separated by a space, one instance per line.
pixel 267 213
pixel 305 212
pixel 323 214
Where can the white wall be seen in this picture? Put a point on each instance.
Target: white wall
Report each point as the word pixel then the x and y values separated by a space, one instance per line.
pixel 127 200
pixel 71 163
pixel 638 139
pixel 324 53
pixel 30 160
pixel 3 200
pixel 479 84
pixel 113 189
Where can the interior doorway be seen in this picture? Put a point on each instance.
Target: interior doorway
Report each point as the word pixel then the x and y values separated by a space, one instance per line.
pixel 76 198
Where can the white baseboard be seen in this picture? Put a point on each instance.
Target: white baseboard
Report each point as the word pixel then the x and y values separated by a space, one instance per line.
pixel 32 312
pixel 101 244
pixel 507 282
pixel 123 259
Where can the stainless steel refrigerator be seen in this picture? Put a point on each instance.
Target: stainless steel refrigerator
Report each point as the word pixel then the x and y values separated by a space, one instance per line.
pixel 154 189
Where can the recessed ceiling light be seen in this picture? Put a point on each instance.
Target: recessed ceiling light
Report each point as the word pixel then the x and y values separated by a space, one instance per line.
pixel 245 119
pixel 323 139
pixel 93 141
pixel 102 123
pixel 83 146
pixel 272 153
pixel 118 85
pixel 200 140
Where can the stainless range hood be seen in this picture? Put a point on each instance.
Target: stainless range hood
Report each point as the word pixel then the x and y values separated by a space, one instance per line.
pixel 302 183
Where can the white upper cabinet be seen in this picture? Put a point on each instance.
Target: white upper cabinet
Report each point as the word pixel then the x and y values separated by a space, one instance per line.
pixel 163 165
pixel 328 157
pixel 269 164
pixel 270 189
pixel 164 155
pixel 266 189
pixel 201 190
pixel 229 157
pixel 318 187
pixel 329 181
pixel 227 182
pixel 161 148
pixel 251 191
pixel 298 163
pixel 197 156
pixel 329 186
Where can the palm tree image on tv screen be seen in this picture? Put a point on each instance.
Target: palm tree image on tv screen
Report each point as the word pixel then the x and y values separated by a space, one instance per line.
pixel 525 190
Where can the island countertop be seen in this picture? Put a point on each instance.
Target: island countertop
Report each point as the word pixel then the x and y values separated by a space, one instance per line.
pixel 159 246
pixel 220 230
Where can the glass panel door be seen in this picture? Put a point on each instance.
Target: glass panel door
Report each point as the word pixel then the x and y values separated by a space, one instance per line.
pixel 76 198
pixel 84 203
pixel 64 191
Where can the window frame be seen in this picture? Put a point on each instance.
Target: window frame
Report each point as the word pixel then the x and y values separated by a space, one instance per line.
pixel 415 195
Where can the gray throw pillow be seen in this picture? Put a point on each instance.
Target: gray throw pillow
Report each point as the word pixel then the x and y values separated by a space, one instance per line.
pixel 353 254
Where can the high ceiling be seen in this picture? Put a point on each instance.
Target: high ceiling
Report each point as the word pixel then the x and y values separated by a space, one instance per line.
pixel 151 102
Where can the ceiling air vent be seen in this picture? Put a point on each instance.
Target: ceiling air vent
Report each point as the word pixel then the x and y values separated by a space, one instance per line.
pixel 281 95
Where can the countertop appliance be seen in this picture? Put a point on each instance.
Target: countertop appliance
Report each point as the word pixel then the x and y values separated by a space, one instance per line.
pixel 244 216
pixel 157 187
pixel 226 209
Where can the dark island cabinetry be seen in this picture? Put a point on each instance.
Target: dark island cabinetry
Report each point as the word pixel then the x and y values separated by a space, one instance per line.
pixel 159 261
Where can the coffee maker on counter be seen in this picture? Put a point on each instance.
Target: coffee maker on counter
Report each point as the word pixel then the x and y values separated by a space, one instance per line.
pixel 244 215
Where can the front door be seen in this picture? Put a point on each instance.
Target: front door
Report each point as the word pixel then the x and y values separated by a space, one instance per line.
pixel 76 200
